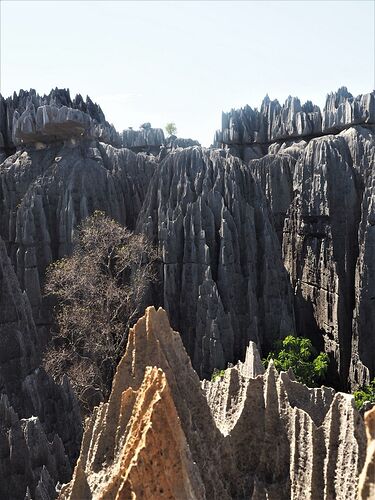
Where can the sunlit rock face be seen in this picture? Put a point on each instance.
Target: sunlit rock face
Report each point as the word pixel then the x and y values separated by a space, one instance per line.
pixel 244 128
pixel 342 110
pixel 367 477
pixel 222 276
pixel 271 122
pixel 40 421
pixel 248 435
pixel 27 118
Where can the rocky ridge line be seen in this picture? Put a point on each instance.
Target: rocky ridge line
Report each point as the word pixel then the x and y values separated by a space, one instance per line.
pixel 248 132
pixel 273 437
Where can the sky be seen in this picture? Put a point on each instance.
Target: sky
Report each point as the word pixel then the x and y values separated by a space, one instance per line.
pixel 186 62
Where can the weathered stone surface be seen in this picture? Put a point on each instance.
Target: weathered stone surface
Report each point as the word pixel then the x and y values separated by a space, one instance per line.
pixel 367 477
pixel 179 142
pixel 328 251
pixel 342 110
pixel 152 458
pixel 319 244
pixel 317 448
pixel 46 192
pixel 40 422
pixel 223 279
pixel 275 175
pixel 272 122
pixel 361 143
pixel 138 397
pixel 247 132
pixel 267 437
pixel 145 139
pixel 28 118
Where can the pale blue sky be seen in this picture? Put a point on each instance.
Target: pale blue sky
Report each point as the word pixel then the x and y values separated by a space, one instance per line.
pixel 186 61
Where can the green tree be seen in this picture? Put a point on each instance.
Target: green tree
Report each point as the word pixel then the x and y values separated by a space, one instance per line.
pixel 171 128
pixel 364 395
pixel 298 354
pixel 217 374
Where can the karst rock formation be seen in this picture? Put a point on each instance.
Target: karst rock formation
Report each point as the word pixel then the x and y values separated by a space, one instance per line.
pixel 268 232
pixel 40 421
pixel 367 477
pixel 247 435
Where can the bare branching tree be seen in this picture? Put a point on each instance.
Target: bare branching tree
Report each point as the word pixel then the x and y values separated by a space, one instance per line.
pixel 100 291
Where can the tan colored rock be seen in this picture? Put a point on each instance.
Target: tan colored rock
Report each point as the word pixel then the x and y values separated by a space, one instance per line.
pixel 148 412
pixel 248 435
pixel 152 458
pixel 366 488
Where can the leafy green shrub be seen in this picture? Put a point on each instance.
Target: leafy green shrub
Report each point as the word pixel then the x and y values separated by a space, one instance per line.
pixel 217 374
pixel 364 395
pixel 298 353
pixel 171 128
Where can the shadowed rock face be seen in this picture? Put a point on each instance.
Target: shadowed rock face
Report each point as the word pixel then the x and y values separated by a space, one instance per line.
pixel 244 436
pixel 146 138
pixel 40 422
pixel 320 194
pixel 46 193
pixel 327 247
pixel 223 279
pixel 275 173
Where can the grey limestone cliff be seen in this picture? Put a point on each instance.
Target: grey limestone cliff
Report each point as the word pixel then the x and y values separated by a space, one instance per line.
pixel 40 422
pixel 326 247
pixel 271 122
pixel 46 192
pixel 28 118
pixel 247 132
pixel 222 276
pixel 342 110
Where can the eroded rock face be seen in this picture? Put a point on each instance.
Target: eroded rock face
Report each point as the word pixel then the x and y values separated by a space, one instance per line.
pixel 40 422
pixel 28 118
pixel 275 175
pixel 362 146
pixel 272 122
pixel 248 435
pixel 319 243
pixel 342 110
pixel 45 193
pixel 222 276
pixel 145 139
pixel 245 128
pixel 327 247
pixel 367 477
pixel 105 454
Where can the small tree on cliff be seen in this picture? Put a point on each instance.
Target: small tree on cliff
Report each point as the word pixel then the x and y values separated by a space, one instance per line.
pixel 171 128
pixel 100 291
pixel 365 395
pixel 298 353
